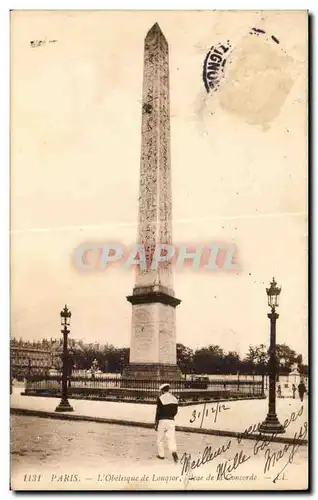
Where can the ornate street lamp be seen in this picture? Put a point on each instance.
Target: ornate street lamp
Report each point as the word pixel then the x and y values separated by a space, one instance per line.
pixel 65 322
pixel 271 424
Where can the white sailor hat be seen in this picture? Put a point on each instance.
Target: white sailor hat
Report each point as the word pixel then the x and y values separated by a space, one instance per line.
pixel 163 386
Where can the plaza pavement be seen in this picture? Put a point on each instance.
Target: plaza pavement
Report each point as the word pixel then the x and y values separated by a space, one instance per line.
pixel 48 454
pixel 225 418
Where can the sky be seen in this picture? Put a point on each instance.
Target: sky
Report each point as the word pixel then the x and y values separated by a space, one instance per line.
pixel 238 164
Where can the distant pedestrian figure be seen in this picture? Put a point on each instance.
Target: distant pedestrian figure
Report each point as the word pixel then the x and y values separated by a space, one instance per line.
pixel 279 391
pixel 167 408
pixel 301 390
pixel 294 391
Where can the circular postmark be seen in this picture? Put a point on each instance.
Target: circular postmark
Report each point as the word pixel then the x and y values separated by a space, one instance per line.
pixel 214 63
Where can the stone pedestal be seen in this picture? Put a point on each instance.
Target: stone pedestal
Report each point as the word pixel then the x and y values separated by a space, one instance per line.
pixel 153 339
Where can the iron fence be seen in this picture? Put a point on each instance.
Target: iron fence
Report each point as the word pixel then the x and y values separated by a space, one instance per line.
pixel 146 389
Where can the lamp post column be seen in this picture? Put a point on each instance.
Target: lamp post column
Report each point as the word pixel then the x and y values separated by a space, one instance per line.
pixel 273 316
pixel 271 424
pixel 64 403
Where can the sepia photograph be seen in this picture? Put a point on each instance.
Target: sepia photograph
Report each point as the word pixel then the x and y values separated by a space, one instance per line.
pixel 159 250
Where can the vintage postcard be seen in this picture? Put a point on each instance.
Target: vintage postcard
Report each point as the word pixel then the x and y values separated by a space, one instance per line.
pixel 159 329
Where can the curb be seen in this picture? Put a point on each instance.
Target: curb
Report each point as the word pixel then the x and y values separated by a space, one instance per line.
pixel 213 432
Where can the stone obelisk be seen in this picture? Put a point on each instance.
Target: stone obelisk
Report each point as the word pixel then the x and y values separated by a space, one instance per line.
pixel 153 338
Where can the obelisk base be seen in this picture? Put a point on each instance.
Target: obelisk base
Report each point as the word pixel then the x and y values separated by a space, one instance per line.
pixel 152 371
pixel 153 327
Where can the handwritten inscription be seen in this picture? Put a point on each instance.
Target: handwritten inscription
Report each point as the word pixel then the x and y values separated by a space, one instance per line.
pixel 252 429
pixel 40 43
pixel 214 411
pixel 208 455
pixel 273 457
pixel 224 468
pixel 213 66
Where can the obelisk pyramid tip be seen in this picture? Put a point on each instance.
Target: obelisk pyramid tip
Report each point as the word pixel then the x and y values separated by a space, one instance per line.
pixel 155 30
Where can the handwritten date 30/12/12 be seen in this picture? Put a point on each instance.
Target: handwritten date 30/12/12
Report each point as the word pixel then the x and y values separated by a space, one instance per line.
pixel 215 410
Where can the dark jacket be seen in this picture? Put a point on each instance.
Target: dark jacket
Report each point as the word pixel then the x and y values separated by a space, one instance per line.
pixel 302 388
pixel 167 407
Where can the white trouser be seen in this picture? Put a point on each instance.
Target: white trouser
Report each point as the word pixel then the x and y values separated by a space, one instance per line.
pixel 166 428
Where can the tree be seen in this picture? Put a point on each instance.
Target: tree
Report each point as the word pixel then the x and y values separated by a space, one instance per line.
pixel 231 362
pixel 300 364
pixel 208 359
pixel 117 358
pixel 184 358
pixel 257 358
pixel 304 370
pixel 246 366
pixel 286 358
pixel 123 358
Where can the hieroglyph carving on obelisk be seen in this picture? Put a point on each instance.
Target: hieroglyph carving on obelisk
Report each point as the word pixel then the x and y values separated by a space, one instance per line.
pixel 155 182
pixel 153 318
